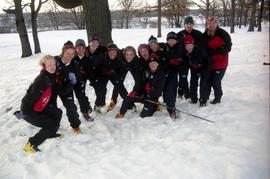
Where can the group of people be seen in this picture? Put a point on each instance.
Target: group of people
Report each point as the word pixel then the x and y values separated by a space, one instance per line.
pixel 159 70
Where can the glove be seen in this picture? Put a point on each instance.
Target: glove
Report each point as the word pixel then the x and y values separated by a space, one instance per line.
pixel 147 88
pixel 175 61
pixel 19 114
pixel 72 78
pixel 132 94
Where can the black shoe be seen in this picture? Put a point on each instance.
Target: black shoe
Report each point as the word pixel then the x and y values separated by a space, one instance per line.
pixel 193 101
pixel 90 110
pixel 187 96
pixel 87 117
pixel 180 93
pixel 202 104
pixel 215 101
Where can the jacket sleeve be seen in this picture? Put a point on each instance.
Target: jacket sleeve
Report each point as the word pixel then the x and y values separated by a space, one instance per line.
pixel 137 75
pixel 227 42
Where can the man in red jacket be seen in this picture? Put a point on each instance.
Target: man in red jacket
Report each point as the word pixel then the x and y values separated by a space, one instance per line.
pixel 218 46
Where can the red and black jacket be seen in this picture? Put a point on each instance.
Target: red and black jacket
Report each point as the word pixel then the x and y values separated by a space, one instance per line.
pixel 153 83
pixel 198 61
pixel 218 47
pixel 41 94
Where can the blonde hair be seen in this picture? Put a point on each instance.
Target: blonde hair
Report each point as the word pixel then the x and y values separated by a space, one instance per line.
pixel 45 58
pixel 130 48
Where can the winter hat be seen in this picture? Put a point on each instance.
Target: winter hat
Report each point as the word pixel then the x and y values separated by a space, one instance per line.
pixel 141 46
pixel 188 39
pixel 172 35
pixel 112 46
pixel 67 45
pixel 152 39
pixel 154 57
pixel 79 42
pixel 94 38
pixel 189 20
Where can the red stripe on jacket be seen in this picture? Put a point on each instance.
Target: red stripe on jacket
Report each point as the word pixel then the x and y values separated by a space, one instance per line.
pixel 43 100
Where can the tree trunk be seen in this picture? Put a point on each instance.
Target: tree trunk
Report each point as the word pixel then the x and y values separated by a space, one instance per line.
pixel 207 13
pixel 159 19
pixel 252 17
pixel 98 20
pixel 126 20
pixel 34 27
pixel 232 16
pixel 260 16
pixel 21 28
pixel 97 17
pixel 241 14
pixel 122 21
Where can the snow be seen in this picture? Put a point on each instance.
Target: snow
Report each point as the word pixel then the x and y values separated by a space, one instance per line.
pixel 235 147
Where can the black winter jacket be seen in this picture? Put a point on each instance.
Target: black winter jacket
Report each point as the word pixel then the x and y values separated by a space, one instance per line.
pixel 43 81
pixel 155 81
pixel 199 61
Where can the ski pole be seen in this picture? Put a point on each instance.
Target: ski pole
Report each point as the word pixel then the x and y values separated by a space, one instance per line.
pixel 157 103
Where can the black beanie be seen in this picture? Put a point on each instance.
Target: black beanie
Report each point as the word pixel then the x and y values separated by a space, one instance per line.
pixel 152 39
pixel 172 35
pixel 67 45
pixel 112 46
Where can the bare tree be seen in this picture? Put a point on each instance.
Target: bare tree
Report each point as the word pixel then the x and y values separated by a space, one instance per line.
pixel 53 14
pixel 206 6
pixel 260 16
pixel 17 9
pixel 78 15
pixel 175 10
pixel 252 20
pixel 127 6
pixel 159 19
pixel 34 15
pixel 232 16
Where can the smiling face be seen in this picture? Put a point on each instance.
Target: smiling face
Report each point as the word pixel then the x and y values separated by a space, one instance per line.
pixel 80 50
pixel 189 47
pixel 112 54
pixel 153 65
pixel 171 42
pixel 50 66
pixel 93 45
pixel 212 25
pixel 154 47
pixel 68 55
pixel 129 55
pixel 144 53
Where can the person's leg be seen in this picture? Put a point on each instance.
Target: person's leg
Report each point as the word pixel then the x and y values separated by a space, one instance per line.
pixel 194 86
pixel 218 76
pixel 71 110
pixel 148 109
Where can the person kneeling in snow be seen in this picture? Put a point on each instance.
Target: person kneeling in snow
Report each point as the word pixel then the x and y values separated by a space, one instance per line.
pixel 154 81
pixel 39 105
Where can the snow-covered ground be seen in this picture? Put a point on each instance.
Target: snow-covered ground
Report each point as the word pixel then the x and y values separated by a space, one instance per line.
pixel 235 147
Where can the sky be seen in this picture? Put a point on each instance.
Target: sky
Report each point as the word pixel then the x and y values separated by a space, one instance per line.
pixel 112 3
